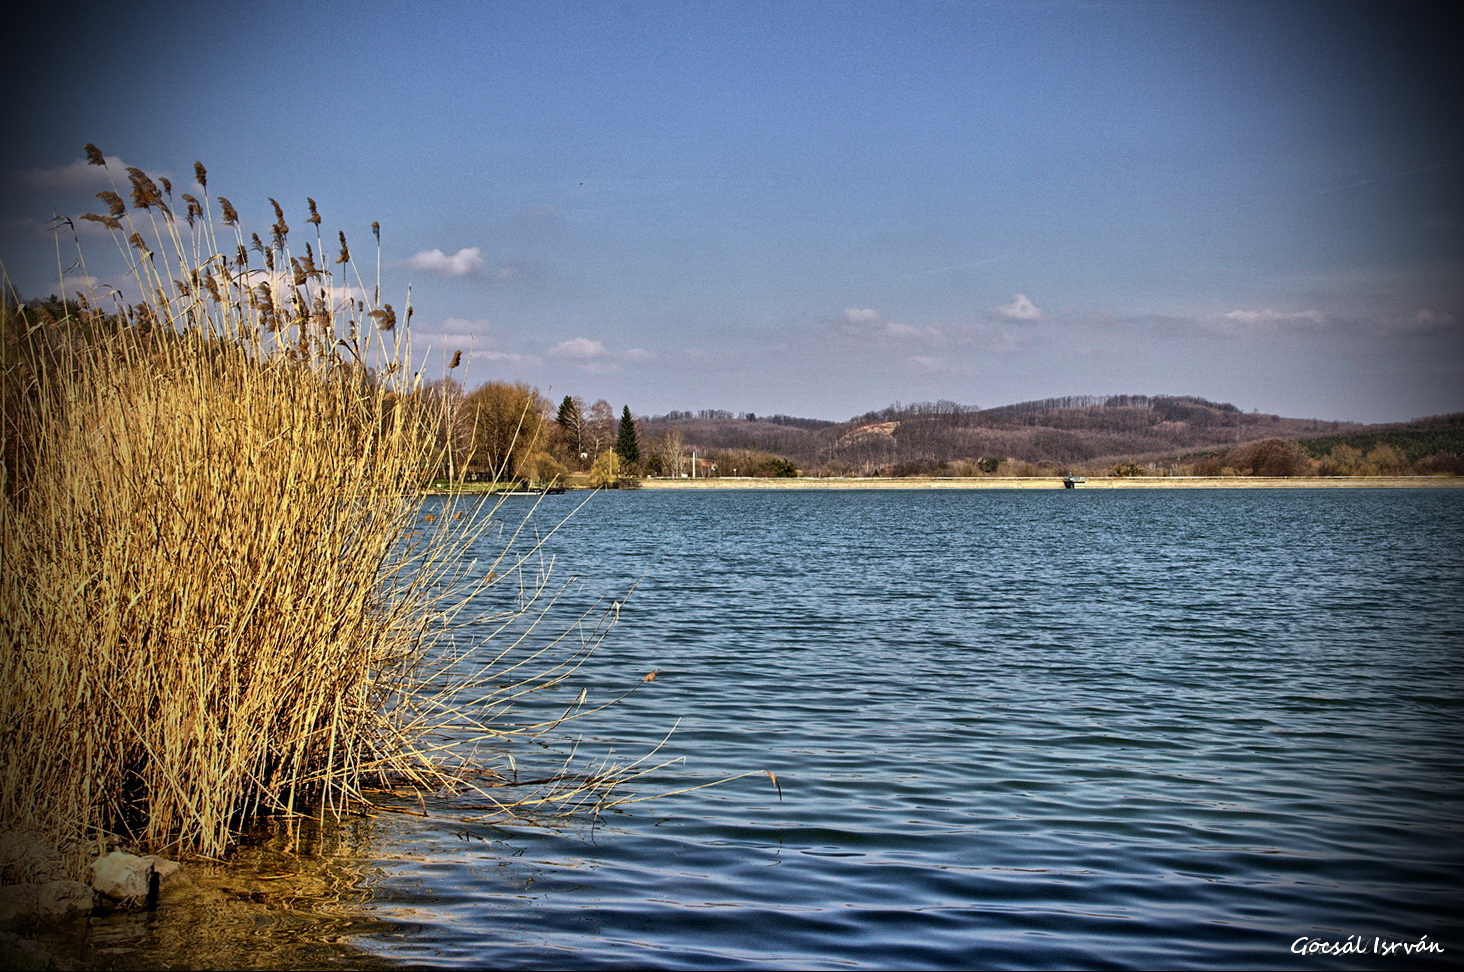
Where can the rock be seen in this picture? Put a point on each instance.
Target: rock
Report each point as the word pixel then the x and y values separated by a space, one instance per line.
pixel 64 900
pixel 127 879
pixel 27 858
pixel 17 953
pixel 167 870
pixel 18 905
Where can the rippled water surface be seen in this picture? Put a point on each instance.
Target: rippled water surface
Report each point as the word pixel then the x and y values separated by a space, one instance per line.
pixel 1025 729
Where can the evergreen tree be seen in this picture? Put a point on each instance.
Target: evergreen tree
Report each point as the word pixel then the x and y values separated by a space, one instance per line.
pixel 627 442
pixel 572 421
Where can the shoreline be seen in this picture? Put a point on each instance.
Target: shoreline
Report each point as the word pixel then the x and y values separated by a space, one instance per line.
pixel 1056 482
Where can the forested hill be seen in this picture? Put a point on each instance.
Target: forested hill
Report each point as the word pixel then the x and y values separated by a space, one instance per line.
pixel 948 438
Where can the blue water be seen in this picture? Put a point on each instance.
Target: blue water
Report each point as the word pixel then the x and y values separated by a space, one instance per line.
pixel 1009 729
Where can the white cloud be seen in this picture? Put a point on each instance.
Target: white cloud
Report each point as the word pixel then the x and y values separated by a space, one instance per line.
pixel 579 349
pixel 98 290
pixel 1020 309
pixel 989 338
pixel 591 357
pixel 468 263
pixel 910 331
pixel 464 263
pixel 1267 321
pixel 84 228
pixel 1271 319
pixel 503 357
pixel 473 338
pixel 458 332
pixel 1427 320
pixel 864 321
pixel 336 294
pixel 78 175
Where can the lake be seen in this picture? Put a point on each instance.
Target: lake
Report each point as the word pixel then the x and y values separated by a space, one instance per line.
pixel 1205 729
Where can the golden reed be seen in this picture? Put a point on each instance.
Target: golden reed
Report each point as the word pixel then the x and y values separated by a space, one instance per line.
pixel 219 597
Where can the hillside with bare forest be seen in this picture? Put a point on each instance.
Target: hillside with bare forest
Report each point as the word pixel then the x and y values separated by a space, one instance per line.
pixel 1157 434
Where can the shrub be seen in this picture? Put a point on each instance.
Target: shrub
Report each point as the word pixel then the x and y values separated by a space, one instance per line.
pixel 1267 457
pixel 607 471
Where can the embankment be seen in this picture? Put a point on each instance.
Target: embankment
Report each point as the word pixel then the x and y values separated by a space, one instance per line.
pixel 1055 482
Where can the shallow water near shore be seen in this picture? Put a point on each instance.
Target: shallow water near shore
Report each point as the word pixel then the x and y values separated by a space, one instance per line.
pixel 993 729
pixel 1011 730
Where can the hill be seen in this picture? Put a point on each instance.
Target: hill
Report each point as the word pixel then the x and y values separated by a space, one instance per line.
pixel 1159 433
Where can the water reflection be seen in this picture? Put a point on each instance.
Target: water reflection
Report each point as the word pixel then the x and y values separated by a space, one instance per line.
pixel 293 897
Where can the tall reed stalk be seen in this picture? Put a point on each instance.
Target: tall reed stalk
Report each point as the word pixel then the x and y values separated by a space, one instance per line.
pixel 212 603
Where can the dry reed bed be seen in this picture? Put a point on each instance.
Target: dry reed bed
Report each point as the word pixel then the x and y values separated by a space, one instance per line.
pixel 220 597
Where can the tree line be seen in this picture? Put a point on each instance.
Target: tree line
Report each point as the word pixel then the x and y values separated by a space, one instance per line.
pixel 508 432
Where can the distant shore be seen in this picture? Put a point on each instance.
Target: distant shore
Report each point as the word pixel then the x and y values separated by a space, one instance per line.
pixel 1056 482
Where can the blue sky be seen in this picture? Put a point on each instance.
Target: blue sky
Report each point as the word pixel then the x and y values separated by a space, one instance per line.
pixel 820 208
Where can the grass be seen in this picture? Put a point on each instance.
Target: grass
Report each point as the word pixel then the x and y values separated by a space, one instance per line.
pixel 220 597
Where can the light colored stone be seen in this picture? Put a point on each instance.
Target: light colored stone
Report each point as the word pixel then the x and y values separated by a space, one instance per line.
pixel 167 870
pixel 63 901
pixel 125 878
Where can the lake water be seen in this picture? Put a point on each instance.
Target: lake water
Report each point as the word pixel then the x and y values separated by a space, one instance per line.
pixel 1009 729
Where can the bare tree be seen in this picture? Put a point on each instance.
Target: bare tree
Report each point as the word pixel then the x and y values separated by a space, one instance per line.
pixel 507 422
pixel 599 425
pixel 670 452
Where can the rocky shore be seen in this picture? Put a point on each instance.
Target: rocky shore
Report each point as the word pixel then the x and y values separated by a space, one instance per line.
pixel 285 898
pixel 40 890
